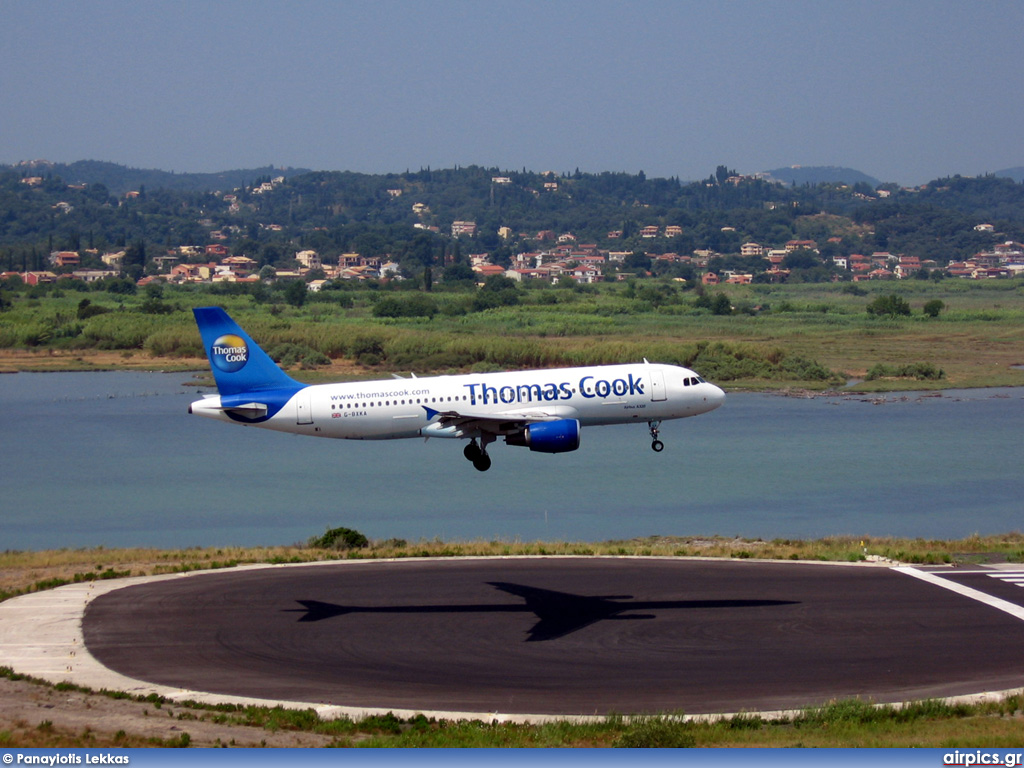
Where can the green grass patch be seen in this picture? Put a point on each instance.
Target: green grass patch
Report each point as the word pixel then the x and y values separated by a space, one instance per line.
pixel 811 335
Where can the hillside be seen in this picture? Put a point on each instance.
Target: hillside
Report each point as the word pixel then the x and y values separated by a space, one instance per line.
pixel 411 217
pixel 119 179
pixel 1017 174
pixel 821 174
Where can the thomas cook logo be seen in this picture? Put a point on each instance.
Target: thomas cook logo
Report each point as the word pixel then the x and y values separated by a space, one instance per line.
pixel 229 353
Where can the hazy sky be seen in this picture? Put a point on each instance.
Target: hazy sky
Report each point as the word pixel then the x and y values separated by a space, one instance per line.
pixel 905 91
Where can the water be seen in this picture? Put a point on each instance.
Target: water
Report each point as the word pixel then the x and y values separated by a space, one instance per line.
pixel 113 459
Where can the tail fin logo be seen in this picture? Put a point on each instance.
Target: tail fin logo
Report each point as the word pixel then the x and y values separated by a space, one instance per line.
pixel 229 353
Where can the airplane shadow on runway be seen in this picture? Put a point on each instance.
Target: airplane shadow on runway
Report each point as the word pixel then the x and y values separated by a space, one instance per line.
pixel 558 613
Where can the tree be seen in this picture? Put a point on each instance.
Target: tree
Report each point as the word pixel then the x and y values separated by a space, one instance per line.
pixel 459 272
pixel 722 173
pixel 889 306
pixel 497 283
pixel 497 291
pixel 720 305
pixel 421 249
pixel 135 256
pixel 271 255
pixel 933 307
pixel 637 260
pixel 801 258
pixel 295 293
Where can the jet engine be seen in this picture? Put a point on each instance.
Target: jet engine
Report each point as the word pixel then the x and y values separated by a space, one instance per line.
pixel 549 436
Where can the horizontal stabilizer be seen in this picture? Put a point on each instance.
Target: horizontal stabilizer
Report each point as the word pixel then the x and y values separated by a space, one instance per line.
pixel 246 409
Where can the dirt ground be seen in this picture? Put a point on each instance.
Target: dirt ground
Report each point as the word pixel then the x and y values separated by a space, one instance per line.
pixel 51 360
pixel 92 360
pixel 34 715
pixel 39 715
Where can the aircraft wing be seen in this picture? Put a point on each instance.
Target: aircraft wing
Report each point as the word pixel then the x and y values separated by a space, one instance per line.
pixel 499 423
pixel 318 611
pixel 560 613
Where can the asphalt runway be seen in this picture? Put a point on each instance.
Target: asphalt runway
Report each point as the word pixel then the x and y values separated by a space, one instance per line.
pixel 560 636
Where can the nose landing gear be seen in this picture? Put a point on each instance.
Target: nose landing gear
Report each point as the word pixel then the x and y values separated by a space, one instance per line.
pixel 656 445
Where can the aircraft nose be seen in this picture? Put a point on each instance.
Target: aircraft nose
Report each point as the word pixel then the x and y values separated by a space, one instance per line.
pixel 716 397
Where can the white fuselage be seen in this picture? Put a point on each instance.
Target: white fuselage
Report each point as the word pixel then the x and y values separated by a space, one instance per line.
pixel 400 408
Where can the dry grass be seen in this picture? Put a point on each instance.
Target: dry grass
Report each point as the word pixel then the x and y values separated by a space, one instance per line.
pixel 23 571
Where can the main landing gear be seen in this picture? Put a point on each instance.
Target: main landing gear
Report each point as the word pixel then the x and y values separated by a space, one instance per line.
pixel 656 445
pixel 478 453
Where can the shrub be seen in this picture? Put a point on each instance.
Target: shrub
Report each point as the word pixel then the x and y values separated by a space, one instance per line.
pixel 486 299
pixel 87 309
pixel 657 732
pixel 287 355
pixel 889 306
pixel 722 361
pixel 919 371
pixel 416 305
pixel 366 344
pixel 339 538
pixel 718 303
pixel 177 341
pixel 121 330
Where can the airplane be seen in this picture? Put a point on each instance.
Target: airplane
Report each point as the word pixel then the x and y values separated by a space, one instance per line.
pixel 543 410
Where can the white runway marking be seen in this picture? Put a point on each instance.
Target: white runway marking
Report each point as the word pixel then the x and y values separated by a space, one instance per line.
pixel 1006 606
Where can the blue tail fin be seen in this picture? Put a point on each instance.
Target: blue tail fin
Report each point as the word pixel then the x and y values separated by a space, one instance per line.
pixel 238 364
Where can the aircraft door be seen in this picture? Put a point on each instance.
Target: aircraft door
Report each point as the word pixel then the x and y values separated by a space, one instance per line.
pixel 303 407
pixel 658 385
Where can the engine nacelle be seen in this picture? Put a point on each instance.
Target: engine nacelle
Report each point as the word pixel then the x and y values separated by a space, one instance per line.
pixel 549 436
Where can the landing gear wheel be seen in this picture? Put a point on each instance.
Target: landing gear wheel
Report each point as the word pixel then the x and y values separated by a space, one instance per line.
pixel 477 452
pixel 656 445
